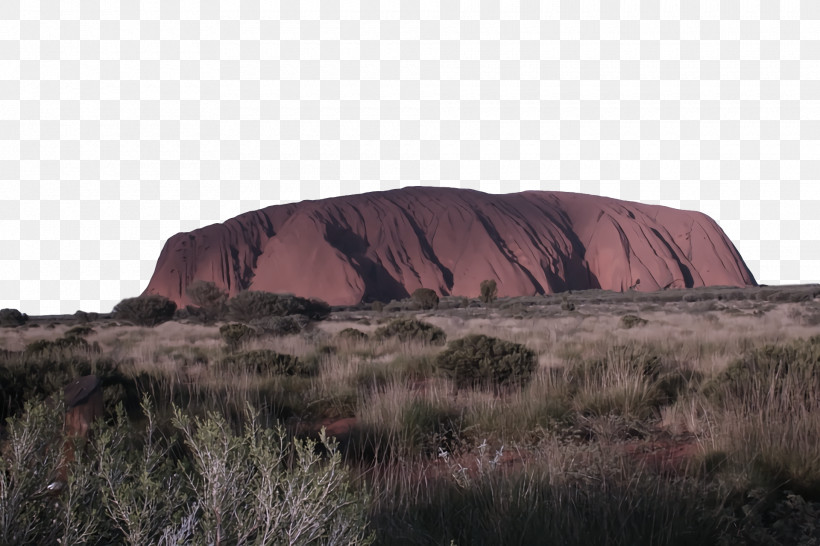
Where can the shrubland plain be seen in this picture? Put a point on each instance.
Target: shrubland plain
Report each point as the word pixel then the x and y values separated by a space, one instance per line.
pixel 591 417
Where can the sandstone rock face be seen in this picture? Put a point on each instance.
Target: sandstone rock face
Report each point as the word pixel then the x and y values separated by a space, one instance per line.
pixel 384 245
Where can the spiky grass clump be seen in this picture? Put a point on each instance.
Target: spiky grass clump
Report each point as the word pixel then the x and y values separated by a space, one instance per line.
pixel 767 370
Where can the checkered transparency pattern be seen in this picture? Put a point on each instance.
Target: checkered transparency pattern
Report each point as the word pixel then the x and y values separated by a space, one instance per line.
pixel 122 123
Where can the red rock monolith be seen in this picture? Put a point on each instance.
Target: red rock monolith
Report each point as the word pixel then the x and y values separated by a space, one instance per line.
pixel 384 245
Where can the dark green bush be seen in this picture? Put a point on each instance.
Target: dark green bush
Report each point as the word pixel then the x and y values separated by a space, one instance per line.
pixel 668 387
pixel 425 298
pixel 631 321
pixel 249 305
pixel 145 310
pixel 44 368
pixel 352 334
pixel 784 517
pixel 12 317
pixel 263 361
pixel 488 290
pixel 190 313
pixel 60 345
pixel 406 329
pixel 235 334
pixel 567 305
pixel 377 306
pixel 479 360
pixel 209 298
pixel 79 331
pixel 280 326
pixel 83 318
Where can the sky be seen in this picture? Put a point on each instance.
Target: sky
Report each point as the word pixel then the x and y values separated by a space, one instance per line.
pixel 123 123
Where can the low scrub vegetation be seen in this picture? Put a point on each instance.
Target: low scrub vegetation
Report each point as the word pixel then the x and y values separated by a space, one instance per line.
pixel 236 334
pixel 768 371
pixel 425 298
pixel 250 305
pixel 12 317
pixel 488 290
pixel 145 310
pixel 406 329
pixel 211 300
pixel 352 335
pixel 200 482
pixel 280 326
pixel 481 361
pixel 263 361
pixel 631 321
pixel 566 428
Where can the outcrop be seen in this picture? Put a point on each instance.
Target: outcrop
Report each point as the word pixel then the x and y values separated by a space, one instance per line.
pixel 384 245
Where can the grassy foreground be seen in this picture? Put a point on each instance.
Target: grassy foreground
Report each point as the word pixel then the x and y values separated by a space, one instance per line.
pixel 682 417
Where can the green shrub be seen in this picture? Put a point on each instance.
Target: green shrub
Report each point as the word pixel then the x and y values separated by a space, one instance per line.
pixel 479 360
pixel 235 334
pixel 79 331
pixel 263 361
pixel 198 482
pixel 631 321
pixel 567 305
pixel 249 305
pixel 406 329
pixel 352 335
pixel 61 346
pixel 280 326
pixel 260 487
pixel 781 518
pixel 145 310
pixel 671 385
pixel 377 306
pixel 12 317
pixel 209 298
pixel 425 298
pixel 488 290
pixel 42 370
pixel 83 318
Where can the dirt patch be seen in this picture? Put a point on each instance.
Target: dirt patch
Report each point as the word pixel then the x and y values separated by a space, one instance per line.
pixel 668 456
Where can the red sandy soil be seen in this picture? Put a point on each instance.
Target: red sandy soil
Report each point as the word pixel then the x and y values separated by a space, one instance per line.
pixel 669 457
pixel 384 245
